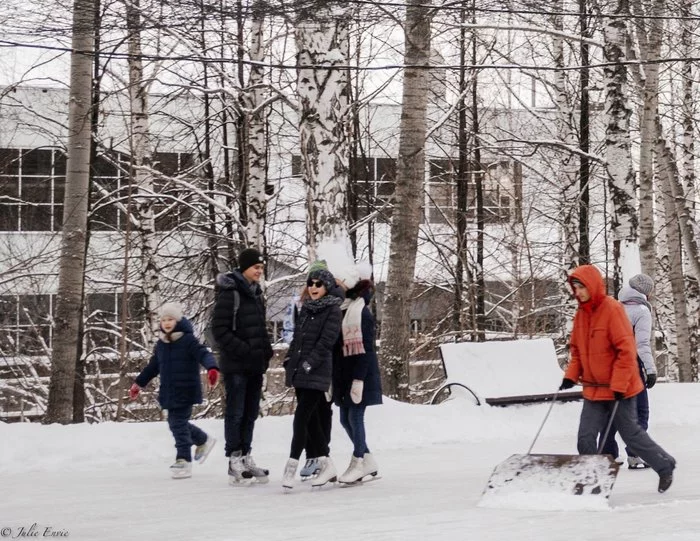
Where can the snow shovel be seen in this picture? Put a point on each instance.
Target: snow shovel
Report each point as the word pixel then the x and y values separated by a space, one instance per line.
pixel 545 481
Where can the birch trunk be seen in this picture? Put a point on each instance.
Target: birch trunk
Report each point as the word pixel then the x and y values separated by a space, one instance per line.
pixel 257 152
pixel 649 34
pixel 624 220
pixel 687 371
pixel 395 329
pixel 584 248
pixel 567 168
pixel 141 159
pixel 666 351
pixel 688 106
pixel 460 303
pixel 71 274
pixel 688 226
pixel 321 38
pixel 687 149
pixel 684 296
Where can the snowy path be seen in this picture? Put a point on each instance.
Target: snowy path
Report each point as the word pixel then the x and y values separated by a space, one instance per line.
pixel 110 481
pixel 141 502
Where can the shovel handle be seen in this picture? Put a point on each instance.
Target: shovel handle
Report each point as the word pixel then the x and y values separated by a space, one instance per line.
pixel 607 428
pixel 554 399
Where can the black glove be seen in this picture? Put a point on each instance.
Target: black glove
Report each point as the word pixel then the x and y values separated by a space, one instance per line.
pixel 651 380
pixel 306 366
pixel 619 395
pixel 566 383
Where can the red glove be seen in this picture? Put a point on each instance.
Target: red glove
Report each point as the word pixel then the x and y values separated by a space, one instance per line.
pixel 213 376
pixel 134 391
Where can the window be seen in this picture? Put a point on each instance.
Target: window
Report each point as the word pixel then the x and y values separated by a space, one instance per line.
pixel 171 209
pixel 31 189
pixel 32 186
pixel 109 186
pixel 25 321
pixel 25 324
pixel 498 183
pixel 371 186
pixel 110 191
pixel 442 192
pixel 104 318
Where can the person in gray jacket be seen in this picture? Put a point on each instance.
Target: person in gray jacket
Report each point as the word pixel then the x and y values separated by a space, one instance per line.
pixel 309 369
pixel 635 300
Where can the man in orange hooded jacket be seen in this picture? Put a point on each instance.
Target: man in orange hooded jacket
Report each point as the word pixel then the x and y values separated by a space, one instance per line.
pixel 604 360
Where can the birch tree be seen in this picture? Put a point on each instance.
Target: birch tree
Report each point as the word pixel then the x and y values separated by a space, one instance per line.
pixel 254 99
pixel 141 157
pixel 624 220
pixel 584 249
pixel 321 39
pixel 649 37
pixel 567 168
pixel 395 328
pixel 688 108
pixel 75 218
pixel 687 158
pixel 686 371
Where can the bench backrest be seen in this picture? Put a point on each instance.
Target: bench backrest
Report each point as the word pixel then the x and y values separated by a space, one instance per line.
pixel 503 368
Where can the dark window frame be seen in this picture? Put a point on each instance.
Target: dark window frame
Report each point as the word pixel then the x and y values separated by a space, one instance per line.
pixel 33 184
pixel 497 198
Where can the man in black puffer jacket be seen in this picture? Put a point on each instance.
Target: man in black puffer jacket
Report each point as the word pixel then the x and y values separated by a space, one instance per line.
pixel 239 327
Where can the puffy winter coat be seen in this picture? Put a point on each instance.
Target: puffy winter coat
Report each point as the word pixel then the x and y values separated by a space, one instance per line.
pixel 363 366
pixel 602 347
pixel 315 336
pixel 177 362
pixel 248 349
pixel 639 314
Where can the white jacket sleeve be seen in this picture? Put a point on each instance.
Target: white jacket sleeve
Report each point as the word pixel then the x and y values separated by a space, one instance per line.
pixel 642 335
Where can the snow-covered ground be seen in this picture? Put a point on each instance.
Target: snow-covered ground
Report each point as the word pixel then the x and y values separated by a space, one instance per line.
pixel 111 481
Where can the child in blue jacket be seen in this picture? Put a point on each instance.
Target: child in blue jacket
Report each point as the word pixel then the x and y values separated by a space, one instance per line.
pixel 176 358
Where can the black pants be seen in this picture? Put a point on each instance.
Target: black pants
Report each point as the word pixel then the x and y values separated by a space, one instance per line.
pixel 308 426
pixel 242 407
pixel 325 413
pixel 185 433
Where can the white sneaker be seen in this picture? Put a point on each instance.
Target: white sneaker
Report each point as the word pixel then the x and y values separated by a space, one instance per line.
pixel 181 469
pixel 327 472
pixel 290 470
pixel 201 452
pixel 236 467
pixel 369 465
pixel 355 471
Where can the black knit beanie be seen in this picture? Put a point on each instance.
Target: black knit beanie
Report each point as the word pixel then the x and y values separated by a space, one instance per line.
pixel 248 258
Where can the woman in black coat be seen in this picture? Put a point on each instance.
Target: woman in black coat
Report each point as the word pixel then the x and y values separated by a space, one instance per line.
pixel 309 369
pixel 356 378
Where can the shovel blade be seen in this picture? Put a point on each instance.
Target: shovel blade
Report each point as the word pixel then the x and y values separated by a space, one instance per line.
pixel 551 482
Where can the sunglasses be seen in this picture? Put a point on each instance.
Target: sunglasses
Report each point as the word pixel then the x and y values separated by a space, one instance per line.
pixel 315 283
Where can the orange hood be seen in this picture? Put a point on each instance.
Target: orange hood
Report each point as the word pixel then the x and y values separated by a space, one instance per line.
pixel 590 277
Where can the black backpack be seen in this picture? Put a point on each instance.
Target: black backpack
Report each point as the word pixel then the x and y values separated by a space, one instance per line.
pixel 209 339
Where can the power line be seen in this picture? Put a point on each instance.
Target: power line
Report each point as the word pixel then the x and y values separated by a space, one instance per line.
pixel 347 67
pixel 458 5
